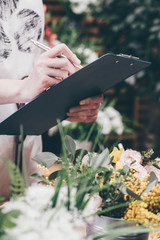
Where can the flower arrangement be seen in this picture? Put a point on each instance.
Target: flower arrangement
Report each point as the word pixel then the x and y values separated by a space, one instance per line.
pixel 44 210
pixel 134 181
pixel 126 182
pixel 83 184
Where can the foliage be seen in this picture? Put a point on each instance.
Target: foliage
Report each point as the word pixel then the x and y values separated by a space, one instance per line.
pixel 66 31
pixel 16 179
pixel 69 198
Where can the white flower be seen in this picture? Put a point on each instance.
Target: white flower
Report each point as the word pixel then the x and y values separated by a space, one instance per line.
pixel 39 221
pixel 104 122
pixel 131 80
pixel 89 54
pixel 110 120
pixel 82 6
pixel 92 207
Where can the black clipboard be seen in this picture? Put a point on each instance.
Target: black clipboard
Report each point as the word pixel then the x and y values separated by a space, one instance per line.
pixel 42 113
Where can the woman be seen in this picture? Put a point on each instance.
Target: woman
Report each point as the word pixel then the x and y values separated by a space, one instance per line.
pixel 21 21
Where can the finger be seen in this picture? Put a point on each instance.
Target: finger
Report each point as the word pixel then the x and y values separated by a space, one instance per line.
pixel 63 49
pixel 96 99
pixel 82 119
pixel 86 113
pixel 60 63
pixel 48 82
pixel 84 107
pixel 57 73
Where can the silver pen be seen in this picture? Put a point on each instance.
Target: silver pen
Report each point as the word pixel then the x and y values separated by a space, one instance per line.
pixel 46 48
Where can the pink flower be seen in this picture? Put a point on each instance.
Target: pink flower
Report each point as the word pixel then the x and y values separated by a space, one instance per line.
pixel 45 8
pixel 130 158
pixel 48 31
pixel 133 159
pixel 52 40
pixel 141 172
pixel 150 168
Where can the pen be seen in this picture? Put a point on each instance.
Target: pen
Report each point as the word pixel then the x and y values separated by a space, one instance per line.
pixel 46 48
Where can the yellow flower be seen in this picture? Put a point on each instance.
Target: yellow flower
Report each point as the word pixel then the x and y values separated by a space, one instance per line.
pixel 116 153
pixel 119 165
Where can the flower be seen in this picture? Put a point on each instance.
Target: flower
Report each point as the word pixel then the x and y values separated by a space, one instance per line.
pixel 92 207
pixel 110 120
pixel 116 154
pixel 38 220
pixel 48 31
pixel 45 8
pixel 53 40
pixel 150 168
pixel 131 158
pixel 82 6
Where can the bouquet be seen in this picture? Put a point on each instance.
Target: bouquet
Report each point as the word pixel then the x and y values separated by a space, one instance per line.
pixel 83 185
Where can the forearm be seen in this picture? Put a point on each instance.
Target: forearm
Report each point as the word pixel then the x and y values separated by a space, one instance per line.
pixel 11 91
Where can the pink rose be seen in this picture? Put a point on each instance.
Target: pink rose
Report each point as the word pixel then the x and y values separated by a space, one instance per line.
pixel 130 158
pixel 141 172
pixel 150 168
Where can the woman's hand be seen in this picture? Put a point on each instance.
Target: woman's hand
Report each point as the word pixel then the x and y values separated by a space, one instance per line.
pixel 49 70
pixel 87 110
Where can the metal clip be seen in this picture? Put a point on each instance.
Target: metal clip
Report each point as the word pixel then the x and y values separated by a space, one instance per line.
pixel 128 56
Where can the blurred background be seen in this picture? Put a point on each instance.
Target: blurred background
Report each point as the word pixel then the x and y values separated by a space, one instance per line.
pixel 91 28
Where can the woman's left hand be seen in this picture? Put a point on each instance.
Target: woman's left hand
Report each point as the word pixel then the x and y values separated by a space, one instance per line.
pixel 87 110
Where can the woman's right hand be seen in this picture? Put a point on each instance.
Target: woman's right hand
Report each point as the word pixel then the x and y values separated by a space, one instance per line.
pixel 49 70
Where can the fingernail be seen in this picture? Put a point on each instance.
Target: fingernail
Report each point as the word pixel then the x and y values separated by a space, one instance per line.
pixel 82 102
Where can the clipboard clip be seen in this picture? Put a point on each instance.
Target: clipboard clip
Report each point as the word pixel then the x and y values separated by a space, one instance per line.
pixel 128 56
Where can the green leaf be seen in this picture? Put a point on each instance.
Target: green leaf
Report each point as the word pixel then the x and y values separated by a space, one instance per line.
pixel 55 174
pixel 126 169
pixel 132 194
pixel 153 180
pixel 41 177
pixel 102 160
pixel 58 186
pixel 8 219
pixel 46 159
pixel 70 144
pixel 123 189
pixel 16 179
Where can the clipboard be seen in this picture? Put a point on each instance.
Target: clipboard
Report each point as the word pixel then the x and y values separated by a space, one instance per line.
pixel 42 112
